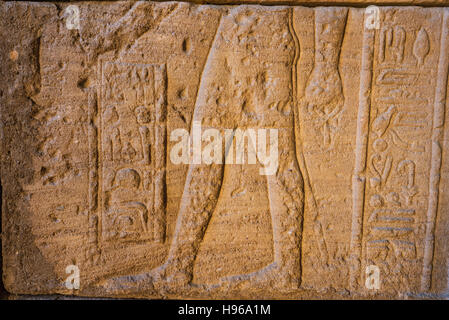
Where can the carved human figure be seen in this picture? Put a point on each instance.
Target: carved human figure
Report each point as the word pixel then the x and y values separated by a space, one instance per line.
pixel 324 92
pixel 233 95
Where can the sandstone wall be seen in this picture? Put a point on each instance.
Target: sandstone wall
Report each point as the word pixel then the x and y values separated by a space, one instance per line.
pixel 356 99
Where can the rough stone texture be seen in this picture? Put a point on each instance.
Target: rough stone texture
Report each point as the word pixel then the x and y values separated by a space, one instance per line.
pixel 324 2
pixel 362 179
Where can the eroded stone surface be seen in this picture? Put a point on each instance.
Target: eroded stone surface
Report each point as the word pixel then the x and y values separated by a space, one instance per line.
pixel 88 120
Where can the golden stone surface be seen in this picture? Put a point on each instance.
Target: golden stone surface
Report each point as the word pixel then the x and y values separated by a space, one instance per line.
pixel 352 201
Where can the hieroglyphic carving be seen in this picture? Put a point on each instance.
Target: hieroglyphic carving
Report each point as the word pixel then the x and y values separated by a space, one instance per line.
pixel 439 111
pixel 393 143
pixel 409 189
pixel 392 44
pixel 132 156
pixel 93 251
pixel 397 171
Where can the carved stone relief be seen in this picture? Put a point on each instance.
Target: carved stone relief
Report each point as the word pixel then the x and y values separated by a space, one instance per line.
pixel 180 150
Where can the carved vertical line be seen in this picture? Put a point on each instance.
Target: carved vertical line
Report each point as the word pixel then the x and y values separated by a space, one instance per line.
pixel 294 83
pixel 358 178
pixel 161 154
pixel 437 136
pixel 99 150
pixel 152 222
pixel 93 231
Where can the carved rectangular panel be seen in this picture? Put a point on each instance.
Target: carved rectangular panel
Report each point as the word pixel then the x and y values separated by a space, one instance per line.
pixel 132 157
pixel 406 72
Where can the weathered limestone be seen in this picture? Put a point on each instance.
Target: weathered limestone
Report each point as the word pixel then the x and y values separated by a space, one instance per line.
pixel 344 108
